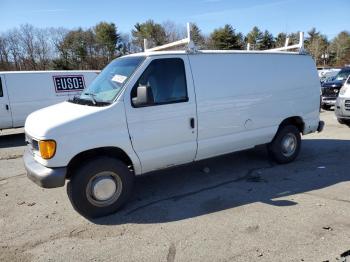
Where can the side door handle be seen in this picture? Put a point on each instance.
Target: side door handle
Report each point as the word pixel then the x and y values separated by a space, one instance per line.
pixel 7 107
pixel 192 122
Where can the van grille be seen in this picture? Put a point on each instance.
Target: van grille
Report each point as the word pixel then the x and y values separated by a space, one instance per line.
pixel 347 105
pixel 33 144
pixel 329 92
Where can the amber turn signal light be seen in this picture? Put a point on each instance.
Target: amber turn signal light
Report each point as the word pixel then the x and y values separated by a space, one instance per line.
pixel 47 148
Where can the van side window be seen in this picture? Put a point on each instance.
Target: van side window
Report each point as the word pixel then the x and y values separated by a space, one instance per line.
pixel 167 80
pixel 1 92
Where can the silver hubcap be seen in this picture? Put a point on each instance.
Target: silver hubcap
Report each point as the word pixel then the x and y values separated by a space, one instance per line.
pixel 104 189
pixel 289 144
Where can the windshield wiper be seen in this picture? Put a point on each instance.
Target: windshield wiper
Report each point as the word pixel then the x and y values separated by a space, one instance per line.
pixel 92 96
pixel 89 102
pixel 78 100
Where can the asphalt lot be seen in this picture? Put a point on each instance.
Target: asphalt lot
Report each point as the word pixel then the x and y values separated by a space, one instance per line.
pixel 238 207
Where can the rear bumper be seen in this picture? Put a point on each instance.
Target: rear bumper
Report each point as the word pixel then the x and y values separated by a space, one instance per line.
pixel 43 176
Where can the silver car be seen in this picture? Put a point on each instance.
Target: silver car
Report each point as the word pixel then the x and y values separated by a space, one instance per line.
pixel 342 105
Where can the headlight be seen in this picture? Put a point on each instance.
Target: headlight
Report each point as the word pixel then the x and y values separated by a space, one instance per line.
pixel 343 90
pixel 47 148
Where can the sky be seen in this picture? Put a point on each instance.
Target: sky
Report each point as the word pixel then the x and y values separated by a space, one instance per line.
pixel 329 17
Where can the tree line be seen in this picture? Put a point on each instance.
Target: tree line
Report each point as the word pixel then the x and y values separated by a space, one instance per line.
pixel 31 48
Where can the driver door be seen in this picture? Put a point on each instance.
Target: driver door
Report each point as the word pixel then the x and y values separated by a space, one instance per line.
pixel 164 133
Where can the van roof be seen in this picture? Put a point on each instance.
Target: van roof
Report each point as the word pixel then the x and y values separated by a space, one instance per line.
pixel 180 52
pixel 50 71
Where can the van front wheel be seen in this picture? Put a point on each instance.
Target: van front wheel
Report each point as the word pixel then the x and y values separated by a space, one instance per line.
pixel 100 187
pixel 285 146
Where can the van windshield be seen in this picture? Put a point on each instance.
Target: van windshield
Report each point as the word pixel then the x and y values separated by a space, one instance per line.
pixel 107 85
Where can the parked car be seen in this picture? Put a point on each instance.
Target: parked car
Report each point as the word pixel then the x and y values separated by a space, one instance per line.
pixel 154 110
pixel 330 90
pixel 22 93
pixel 342 106
pixel 328 75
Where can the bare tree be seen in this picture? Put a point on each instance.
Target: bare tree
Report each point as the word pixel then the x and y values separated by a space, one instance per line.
pixel 56 37
pixel 27 40
pixel 4 53
pixel 60 56
pixel 15 49
pixel 125 45
pixel 43 49
pixel 30 48
pixel 173 31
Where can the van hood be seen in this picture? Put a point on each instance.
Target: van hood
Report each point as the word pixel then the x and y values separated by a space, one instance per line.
pixel 44 122
pixel 334 84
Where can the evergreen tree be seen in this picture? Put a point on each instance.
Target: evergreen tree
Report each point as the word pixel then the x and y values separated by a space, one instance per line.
pixel 267 41
pixel 254 38
pixel 197 36
pixel 280 40
pixel 225 38
pixel 316 44
pixel 106 38
pixel 153 32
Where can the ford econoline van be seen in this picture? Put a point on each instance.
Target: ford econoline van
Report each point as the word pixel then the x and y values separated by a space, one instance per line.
pixel 158 109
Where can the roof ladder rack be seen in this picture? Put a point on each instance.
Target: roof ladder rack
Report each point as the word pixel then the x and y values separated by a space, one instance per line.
pixel 186 41
pixel 286 47
pixel 191 47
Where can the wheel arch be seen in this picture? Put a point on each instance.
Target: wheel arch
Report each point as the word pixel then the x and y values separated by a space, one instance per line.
pixel 114 152
pixel 293 120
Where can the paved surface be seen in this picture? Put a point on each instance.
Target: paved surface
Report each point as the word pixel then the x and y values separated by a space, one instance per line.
pixel 242 208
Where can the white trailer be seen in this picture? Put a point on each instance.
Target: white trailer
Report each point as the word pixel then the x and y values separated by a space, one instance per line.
pixel 21 93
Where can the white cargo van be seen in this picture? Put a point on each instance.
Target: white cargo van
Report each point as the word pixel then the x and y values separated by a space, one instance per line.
pixel 21 93
pixel 158 109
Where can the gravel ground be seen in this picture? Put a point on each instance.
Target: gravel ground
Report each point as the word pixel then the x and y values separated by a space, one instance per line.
pixel 238 207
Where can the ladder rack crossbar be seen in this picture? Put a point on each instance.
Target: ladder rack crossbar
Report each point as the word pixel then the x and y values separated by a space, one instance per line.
pixel 170 45
pixel 191 47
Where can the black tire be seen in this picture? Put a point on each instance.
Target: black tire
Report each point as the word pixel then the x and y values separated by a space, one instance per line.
pixel 344 121
pixel 341 121
pixel 277 148
pixel 79 189
pixel 326 107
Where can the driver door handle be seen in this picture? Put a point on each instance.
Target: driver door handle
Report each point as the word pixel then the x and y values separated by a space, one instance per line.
pixel 192 122
pixel 7 107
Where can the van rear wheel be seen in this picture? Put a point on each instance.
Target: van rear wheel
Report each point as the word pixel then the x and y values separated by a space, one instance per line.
pixel 285 146
pixel 100 187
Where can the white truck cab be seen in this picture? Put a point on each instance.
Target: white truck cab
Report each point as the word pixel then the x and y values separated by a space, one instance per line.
pixel 158 109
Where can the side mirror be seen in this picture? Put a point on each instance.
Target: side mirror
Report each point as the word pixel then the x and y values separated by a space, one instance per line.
pixel 144 96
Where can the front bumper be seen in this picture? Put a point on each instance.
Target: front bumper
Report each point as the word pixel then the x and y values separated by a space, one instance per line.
pixel 342 108
pixel 43 176
pixel 329 101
